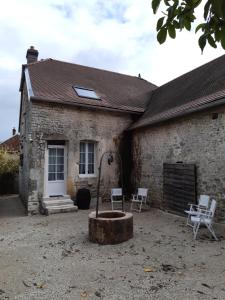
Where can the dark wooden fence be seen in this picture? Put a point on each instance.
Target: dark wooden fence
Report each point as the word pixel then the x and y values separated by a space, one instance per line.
pixel 9 184
pixel 179 186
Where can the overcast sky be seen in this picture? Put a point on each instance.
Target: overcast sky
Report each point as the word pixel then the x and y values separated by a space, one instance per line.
pixel 117 35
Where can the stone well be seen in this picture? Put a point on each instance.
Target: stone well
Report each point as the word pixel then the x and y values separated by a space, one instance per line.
pixel 111 227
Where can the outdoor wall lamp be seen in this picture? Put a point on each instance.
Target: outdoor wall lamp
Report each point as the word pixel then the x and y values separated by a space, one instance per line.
pixel 110 158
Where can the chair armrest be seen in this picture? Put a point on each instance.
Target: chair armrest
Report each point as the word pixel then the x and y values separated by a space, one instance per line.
pixel 197 207
pixel 193 207
pixel 204 213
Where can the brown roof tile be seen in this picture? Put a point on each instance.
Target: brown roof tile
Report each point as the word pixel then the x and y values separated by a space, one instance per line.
pixel 53 80
pixel 187 93
pixel 12 144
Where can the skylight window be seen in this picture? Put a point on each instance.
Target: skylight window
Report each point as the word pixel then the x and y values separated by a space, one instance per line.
pixel 86 93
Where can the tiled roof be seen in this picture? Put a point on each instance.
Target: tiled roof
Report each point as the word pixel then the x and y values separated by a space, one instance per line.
pixel 198 89
pixel 53 80
pixel 12 144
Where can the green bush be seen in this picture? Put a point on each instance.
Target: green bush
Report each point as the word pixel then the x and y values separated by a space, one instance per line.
pixel 9 163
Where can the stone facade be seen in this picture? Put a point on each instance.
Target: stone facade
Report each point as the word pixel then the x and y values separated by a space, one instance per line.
pixel 198 138
pixel 51 121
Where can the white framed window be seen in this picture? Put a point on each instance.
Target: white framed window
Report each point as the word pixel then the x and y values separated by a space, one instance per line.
pixel 87 164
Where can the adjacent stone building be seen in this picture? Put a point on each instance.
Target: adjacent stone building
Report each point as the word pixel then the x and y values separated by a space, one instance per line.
pixel 70 115
pixel 185 122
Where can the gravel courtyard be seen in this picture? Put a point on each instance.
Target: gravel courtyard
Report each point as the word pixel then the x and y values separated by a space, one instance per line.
pixel 51 258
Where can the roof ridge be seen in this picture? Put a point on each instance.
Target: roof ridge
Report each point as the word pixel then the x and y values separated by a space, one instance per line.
pixel 98 69
pixel 10 138
pixel 37 62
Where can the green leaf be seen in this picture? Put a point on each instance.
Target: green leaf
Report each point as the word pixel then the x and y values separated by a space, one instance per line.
pixel 187 24
pixel 217 35
pixel 206 9
pixel 196 3
pixel 181 22
pixel 223 9
pixel 160 23
pixel 155 5
pixel 223 37
pixel 217 7
pixel 211 41
pixel 200 26
pixel 202 42
pixel 176 24
pixel 172 31
pixel 161 36
pixel 167 2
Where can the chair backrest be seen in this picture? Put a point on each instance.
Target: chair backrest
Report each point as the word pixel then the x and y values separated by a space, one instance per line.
pixel 212 207
pixel 116 192
pixel 142 192
pixel 204 201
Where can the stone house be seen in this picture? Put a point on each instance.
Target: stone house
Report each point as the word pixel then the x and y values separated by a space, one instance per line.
pixel 12 144
pixel 71 114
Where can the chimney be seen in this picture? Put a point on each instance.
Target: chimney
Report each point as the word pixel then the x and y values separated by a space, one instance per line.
pixel 13 131
pixel 32 55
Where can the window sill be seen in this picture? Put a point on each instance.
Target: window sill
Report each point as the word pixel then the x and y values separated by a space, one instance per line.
pixel 87 175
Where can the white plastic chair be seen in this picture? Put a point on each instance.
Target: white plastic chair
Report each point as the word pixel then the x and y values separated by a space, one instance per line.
pixel 206 218
pixel 139 199
pixel 195 209
pixel 116 196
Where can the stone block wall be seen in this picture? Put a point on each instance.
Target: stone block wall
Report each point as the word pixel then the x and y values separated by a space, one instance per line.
pixel 198 138
pixel 50 121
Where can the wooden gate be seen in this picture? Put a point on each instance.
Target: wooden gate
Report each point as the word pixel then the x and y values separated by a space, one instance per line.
pixel 179 186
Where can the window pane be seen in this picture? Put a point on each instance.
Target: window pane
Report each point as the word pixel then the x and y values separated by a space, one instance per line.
pixel 51 168
pixel 90 158
pixel 51 176
pixel 90 169
pixel 60 176
pixel 87 158
pixel 82 158
pixel 60 168
pixel 60 152
pixel 91 147
pixel 52 160
pixel 60 160
pixel 82 168
pixel 82 147
pixel 52 152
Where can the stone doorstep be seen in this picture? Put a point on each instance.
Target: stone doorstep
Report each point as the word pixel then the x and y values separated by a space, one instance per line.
pixel 65 197
pixel 58 202
pixel 61 209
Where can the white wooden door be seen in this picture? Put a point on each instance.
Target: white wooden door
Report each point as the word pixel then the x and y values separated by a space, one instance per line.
pixel 56 170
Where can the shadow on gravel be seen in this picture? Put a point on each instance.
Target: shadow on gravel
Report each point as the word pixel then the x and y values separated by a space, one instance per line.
pixel 11 206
